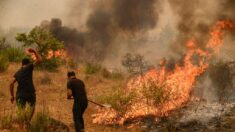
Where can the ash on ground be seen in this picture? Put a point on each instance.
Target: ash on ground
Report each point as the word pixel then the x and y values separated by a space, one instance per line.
pixel 205 111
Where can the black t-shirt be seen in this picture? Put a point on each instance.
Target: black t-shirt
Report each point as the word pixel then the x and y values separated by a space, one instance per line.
pixel 78 90
pixel 24 77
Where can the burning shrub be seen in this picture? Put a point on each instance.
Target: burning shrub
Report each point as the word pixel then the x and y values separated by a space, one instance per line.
pixel 171 89
pixel 118 99
pixel 155 93
pixel 221 76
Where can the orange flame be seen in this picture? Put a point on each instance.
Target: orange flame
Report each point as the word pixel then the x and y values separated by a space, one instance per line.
pixel 177 84
pixel 59 53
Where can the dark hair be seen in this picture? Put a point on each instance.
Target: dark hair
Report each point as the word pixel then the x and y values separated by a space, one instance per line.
pixel 25 61
pixel 71 73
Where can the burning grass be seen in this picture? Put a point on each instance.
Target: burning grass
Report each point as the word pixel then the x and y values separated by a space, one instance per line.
pixel 169 90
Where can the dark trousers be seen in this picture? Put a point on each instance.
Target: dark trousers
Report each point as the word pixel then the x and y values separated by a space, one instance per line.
pixel 78 111
pixel 22 99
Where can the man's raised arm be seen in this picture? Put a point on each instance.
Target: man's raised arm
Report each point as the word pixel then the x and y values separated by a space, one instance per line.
pixel 38 56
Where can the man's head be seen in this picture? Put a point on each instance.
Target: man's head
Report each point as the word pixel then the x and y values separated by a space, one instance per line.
pixel 71 74
pixel 25 61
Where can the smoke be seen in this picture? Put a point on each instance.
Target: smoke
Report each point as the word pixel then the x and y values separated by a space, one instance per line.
pixel 228 9
pixel 107 29
pixel 132 15
pixel 2 3
pixel 105 23
pixel 195 18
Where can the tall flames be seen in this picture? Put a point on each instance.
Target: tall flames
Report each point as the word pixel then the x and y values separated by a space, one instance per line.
pixel 176 84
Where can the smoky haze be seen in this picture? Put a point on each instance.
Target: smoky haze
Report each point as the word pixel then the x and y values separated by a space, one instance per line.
pixel 195 18
pixel 105 30
pixel 105 22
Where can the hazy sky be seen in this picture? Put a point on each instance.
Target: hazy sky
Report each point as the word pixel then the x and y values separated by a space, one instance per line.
pixel 28 13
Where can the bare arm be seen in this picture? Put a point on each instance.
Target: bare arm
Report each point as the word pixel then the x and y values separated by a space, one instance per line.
pixel 12 90
pixel 38 56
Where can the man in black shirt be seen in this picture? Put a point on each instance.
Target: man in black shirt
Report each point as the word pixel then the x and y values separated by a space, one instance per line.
pixel 24 77
pixel 76 89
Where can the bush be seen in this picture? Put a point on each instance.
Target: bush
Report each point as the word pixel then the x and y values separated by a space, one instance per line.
pixel 40 123
pixel 92 68
pixel 118 99
pixel 43 123
pixel 4 62
pixel 135 64
pixel 14 54
pixel 51 64
pixel 46 43
pixel 154 92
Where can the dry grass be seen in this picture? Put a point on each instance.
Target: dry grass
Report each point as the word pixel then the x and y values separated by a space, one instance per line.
pixel 51 94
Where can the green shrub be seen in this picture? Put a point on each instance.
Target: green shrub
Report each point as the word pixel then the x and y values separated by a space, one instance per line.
pixel 14 54
pixel 51 64
pixel 4 62
pixel 43 123
pixel 92 68
pixel 118 99
pixel 45 42
pixel 24 114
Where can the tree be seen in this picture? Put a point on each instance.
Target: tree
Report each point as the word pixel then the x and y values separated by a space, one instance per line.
pixel 135 64
pixel 45 42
